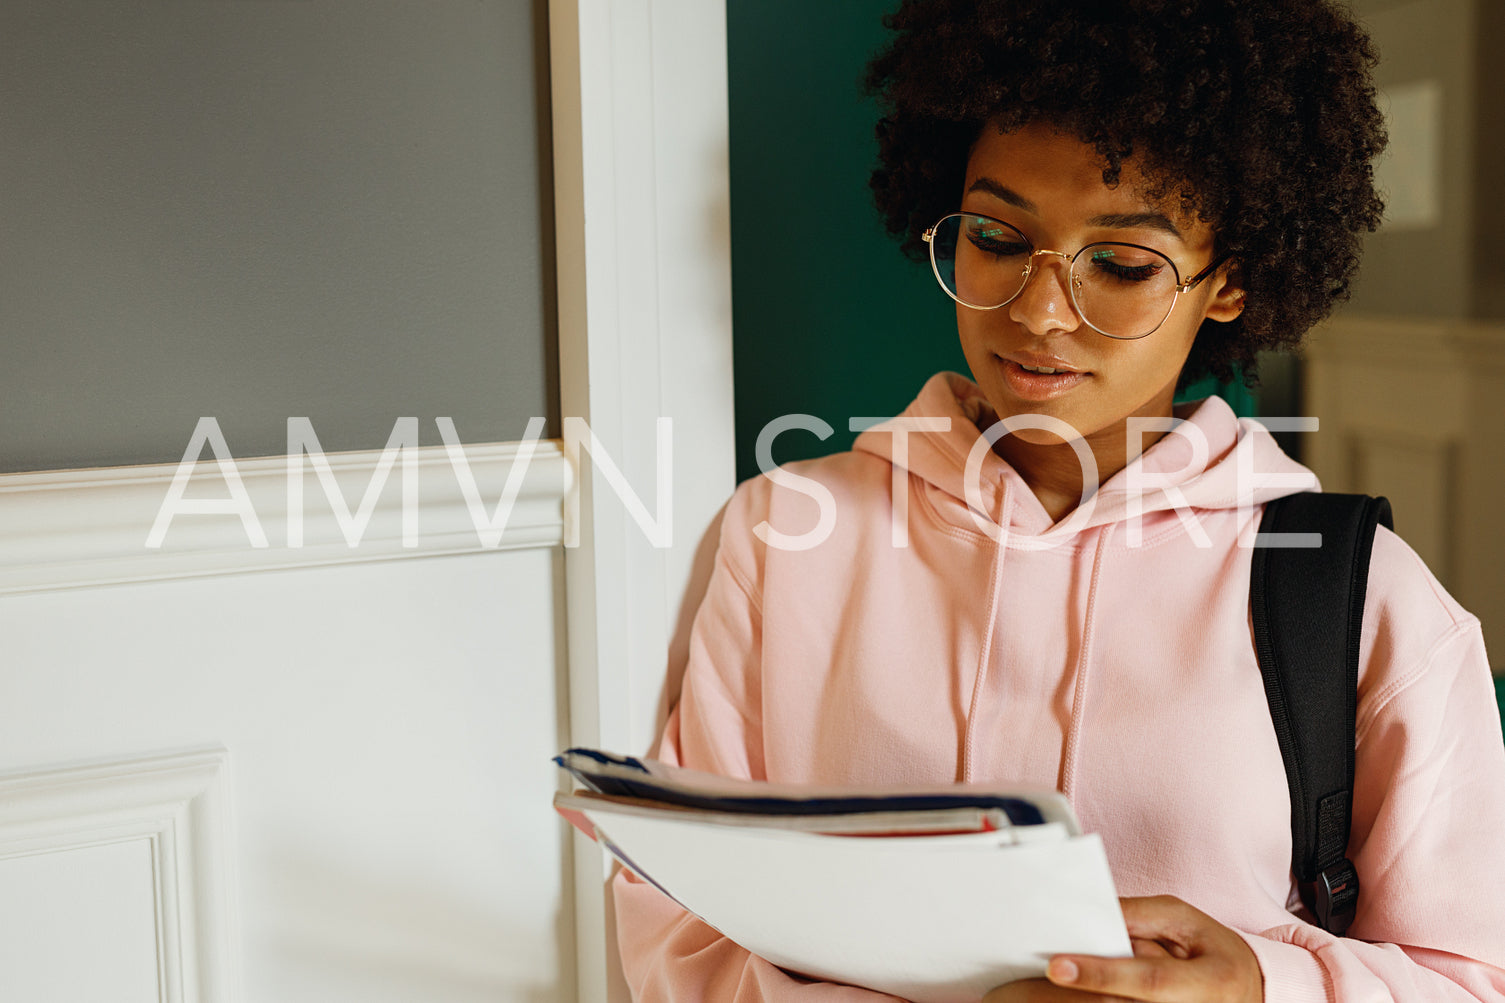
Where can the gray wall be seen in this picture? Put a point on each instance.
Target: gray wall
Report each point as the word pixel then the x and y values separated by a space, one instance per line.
pixel 256 210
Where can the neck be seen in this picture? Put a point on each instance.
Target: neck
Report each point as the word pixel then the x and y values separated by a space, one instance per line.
pixel 1053 470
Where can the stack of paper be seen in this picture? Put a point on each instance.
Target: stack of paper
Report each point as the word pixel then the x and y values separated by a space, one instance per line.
pixel 932 894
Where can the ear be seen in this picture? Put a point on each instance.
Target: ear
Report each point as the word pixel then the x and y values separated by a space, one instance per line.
pixel 1227 300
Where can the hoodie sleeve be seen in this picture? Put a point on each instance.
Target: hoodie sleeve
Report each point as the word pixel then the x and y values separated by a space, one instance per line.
pixel 1429 818
pixel 667 953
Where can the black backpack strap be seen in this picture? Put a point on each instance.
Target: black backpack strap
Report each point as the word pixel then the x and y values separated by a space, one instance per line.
pixel 1307 602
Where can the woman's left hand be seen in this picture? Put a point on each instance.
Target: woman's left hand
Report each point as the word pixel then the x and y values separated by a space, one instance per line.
pixel 1181 955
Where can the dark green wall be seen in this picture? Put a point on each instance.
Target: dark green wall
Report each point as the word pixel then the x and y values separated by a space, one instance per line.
pixel 829 319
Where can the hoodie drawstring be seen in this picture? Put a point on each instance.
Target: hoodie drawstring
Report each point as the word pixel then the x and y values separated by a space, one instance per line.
pixel 1005 515
pixel 1084 659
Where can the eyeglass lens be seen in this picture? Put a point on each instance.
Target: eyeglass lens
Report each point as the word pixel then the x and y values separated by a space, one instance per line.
pixel 1121 290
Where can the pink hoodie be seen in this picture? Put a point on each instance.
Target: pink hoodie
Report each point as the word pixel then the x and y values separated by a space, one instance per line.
pixel 1115 665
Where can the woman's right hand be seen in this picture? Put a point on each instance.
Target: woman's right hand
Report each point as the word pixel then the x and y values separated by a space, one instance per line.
pixel 1181 955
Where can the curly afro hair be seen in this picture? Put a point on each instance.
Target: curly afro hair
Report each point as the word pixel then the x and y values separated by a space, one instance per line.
pixel 1259 116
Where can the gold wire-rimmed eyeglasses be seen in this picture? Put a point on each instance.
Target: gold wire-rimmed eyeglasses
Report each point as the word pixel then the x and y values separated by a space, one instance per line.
pixel 1123 291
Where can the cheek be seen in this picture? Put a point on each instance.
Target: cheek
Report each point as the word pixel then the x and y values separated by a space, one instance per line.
pixel 966 322
pixel 972 328
pixel 1153 361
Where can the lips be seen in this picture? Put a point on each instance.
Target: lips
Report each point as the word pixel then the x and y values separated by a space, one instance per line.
pixel 1034 377
pixel 1041 360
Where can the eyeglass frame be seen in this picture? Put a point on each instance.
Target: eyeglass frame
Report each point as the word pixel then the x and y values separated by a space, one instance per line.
pixel 1029 269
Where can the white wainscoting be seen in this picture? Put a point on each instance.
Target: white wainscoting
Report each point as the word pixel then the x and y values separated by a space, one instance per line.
pixel 116 881
pixel 377 825
pixel 70 528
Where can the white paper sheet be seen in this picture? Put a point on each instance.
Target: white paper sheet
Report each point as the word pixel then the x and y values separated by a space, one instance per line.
pixel 934 919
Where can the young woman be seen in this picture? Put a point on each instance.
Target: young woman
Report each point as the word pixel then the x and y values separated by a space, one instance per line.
pixel 1120 197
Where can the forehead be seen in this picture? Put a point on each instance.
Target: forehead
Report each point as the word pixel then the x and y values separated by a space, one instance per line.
pixel 1060 175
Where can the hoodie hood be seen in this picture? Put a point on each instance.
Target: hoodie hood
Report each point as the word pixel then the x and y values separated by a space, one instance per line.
pixel 1211 460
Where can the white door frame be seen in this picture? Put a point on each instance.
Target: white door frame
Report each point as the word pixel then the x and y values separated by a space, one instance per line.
pixel 644 270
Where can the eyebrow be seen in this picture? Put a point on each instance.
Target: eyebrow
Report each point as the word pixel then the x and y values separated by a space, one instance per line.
pixel 1135 220
pixel 1002 193
pixel 1112 221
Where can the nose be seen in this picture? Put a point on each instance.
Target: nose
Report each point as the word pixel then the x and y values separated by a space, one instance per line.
pixel 1044 305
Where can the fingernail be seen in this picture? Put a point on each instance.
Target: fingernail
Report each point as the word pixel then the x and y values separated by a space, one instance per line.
pixel 1062 970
